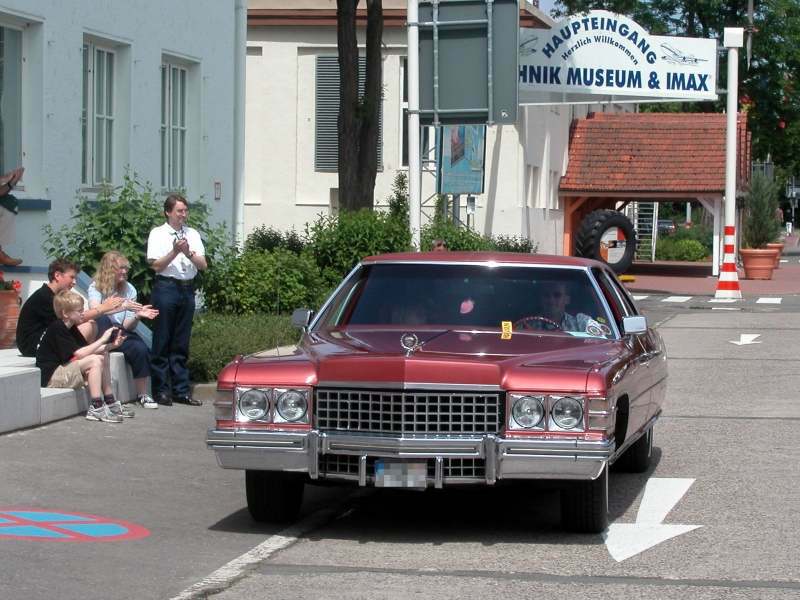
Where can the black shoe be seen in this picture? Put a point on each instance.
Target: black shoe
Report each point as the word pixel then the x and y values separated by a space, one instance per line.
pixel 188 400
pixel 163 399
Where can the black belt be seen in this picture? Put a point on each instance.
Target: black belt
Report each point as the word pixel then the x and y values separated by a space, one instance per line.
pixel 181 282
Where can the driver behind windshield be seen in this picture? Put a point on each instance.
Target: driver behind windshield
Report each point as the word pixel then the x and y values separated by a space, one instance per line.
pixel 553 300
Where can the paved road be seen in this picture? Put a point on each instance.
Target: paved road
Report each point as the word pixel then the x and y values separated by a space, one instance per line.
pixel 729 425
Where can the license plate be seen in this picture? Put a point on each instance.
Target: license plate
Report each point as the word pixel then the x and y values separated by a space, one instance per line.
pixel 400 474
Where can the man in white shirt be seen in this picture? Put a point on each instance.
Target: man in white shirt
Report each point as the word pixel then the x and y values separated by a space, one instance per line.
pixel 176 254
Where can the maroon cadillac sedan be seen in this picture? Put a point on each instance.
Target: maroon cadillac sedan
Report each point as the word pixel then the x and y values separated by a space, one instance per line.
pixel 428 370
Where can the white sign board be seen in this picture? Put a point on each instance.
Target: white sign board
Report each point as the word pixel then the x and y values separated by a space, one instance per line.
pixel 601 56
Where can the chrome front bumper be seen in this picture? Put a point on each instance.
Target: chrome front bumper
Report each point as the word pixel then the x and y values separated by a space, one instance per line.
pixel 504 458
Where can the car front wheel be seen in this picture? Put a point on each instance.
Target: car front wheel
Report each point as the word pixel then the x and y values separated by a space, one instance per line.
pixel 636 459
pixel 584 505
pixel 273 497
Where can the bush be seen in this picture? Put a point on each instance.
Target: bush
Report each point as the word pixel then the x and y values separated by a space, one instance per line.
pixel 268 238
pixel 264 282
pixel 761 203
pixel 217 338
pixel 700 233
pixel 121 219
pixel 513 243
pixel 456 238
pixel 669 248
pixel 398 201
pixel 338 243
pixel 460 238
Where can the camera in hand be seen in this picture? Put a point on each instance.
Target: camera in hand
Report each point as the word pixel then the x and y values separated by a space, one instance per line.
pixel 115 331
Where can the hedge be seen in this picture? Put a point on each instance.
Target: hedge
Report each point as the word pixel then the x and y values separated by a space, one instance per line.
pixel 217 338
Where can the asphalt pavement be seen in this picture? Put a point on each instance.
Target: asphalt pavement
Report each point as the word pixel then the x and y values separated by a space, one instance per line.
pixel 723 485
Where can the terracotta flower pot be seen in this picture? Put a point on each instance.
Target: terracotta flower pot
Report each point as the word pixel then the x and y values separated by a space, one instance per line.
pixel 779 247
pixel 758 263
pixel 9 313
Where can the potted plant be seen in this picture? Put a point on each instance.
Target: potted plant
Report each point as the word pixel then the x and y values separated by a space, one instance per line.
pixel 760 228
pixel 9 310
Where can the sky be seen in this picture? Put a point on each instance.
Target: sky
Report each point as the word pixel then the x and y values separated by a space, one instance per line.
pixel 546 5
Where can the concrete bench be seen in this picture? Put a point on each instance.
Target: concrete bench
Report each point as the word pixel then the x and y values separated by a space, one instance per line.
pixel 23 403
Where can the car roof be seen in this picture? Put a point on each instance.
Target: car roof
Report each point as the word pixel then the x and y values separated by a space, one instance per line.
pixel 483 257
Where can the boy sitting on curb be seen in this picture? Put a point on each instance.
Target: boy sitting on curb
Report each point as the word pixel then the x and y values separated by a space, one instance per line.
pixel 67 361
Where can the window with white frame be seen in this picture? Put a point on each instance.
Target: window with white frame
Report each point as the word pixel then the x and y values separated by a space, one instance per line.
pixel 173 125
pixel 97 115
pixel 10 98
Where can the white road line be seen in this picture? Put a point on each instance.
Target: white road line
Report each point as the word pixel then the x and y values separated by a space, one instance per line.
pixel 229 573
pixel 769 300
pixel 724 308
pixel 637 298
pixel 784 260
pixel 724 300
pixel 677 298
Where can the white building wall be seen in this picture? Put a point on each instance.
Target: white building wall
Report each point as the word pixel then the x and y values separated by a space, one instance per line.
pixel 198 33
pixel 524 162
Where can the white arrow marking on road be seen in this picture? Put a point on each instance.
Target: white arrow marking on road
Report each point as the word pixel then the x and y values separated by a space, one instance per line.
pixel 746 339
pixel 624 540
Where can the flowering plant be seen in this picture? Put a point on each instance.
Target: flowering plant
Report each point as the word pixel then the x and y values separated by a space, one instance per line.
pixel 12 284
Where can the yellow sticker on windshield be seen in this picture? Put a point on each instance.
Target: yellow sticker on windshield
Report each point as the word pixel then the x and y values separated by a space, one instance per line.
pixel 506 330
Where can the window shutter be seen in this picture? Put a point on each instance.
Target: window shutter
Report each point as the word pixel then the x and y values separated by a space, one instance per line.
pixel 326 135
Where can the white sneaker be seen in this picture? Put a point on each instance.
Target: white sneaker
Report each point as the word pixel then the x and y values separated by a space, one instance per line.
pixel 102 413
pixel 116 408
pixel 147 401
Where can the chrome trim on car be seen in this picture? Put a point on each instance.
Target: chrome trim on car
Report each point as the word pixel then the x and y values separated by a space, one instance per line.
pixel 422 386
pixel 502 458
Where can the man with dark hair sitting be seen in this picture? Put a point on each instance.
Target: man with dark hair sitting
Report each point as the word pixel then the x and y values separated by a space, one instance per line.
pixel 37 313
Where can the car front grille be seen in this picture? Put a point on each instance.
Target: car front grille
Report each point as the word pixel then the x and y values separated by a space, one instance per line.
pixel 408 412
pixel 452 468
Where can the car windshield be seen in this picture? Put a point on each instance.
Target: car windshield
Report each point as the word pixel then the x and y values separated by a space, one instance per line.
pixel 559 299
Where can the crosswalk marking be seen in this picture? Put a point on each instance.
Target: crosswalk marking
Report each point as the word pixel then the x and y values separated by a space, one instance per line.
pixel 724 300
pixel 769 300
pixel 725 308
pixel 637 298
pixel 677 299
pixel 786 260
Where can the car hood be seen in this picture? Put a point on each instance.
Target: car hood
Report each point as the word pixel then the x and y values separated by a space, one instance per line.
pixel 371 356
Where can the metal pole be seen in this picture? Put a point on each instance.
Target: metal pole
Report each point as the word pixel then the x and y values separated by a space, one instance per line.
pixel 730 131
pixel 414 160
pixel 239 66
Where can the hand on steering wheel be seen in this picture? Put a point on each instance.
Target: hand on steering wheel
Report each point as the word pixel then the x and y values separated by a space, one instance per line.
pixel 524 322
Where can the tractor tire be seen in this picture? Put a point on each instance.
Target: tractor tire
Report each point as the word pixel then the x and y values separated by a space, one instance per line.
pixel 609 236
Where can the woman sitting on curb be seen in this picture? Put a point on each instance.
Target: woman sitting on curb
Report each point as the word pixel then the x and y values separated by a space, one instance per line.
pixel 111 279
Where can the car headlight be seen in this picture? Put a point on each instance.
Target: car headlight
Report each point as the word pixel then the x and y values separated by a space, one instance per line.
pixel 528 411
pixel 567 412
pixel 292 405
pixel 254 404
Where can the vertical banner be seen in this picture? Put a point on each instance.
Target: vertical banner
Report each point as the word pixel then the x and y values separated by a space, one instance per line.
pixel 461 155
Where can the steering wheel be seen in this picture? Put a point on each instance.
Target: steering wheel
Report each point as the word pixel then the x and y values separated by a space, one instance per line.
pixel 525 322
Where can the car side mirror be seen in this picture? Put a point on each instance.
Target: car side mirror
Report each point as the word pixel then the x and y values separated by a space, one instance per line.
pixel 634 325
pixel 301 317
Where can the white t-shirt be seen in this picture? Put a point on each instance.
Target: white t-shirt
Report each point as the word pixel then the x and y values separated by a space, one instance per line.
pixel 159 244
pixel 118 318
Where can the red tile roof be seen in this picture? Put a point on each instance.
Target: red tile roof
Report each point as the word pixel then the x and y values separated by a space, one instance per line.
pixel 652 153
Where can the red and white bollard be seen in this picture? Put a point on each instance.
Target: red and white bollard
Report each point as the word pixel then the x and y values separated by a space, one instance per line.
pixel 728 284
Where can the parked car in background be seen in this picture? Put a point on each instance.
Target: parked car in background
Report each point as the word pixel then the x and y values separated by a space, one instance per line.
pixel 667 226
pixel 427 370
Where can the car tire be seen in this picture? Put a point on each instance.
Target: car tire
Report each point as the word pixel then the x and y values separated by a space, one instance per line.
pixel 584 505
pixel 273 497
pixel 636 459
pixel 590 235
